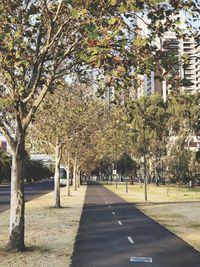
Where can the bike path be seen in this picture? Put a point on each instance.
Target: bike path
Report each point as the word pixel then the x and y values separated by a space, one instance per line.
pixel 113 232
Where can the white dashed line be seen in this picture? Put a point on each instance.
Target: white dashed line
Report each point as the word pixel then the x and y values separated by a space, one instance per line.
pixel 130 240
pixel 109 206
pixel 141 259
pixel 119 222
pixel 113 213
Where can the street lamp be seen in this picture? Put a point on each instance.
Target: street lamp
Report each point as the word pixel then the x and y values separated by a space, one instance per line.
pixel 145 162
pixel 126 175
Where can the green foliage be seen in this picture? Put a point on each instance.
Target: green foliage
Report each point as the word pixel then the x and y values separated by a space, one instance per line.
pixel 164 132
pixel 126 165
pixel 41 42
pixel 178 163
pixel 103 168
pixel 36 171
pixel 184 113
pixel 151 116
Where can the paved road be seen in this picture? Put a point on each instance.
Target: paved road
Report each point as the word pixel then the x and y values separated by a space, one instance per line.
pixel 32 190
pixel 108 228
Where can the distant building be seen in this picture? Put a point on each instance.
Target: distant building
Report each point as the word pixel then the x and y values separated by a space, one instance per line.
pixel 45 159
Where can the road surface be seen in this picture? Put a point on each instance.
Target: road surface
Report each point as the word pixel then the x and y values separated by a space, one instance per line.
pixel 32 190
pixel 113 233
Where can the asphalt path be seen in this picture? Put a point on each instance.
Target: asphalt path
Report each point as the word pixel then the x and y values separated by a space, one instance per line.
pixel 113 231
pixel 32 190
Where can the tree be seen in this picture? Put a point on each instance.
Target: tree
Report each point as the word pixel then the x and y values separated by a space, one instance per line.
pixel 178 164
pixel 126 166
pixel 183 120
pixel 184 116
pixel 150 114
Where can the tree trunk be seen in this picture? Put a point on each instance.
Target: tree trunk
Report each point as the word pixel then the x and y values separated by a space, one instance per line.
pixel 156 172
pixel 81 181
pixel 17 206
pixel 74 175
pixel 68 181
pixel 58 154
pixel 78 178
pixel 131 179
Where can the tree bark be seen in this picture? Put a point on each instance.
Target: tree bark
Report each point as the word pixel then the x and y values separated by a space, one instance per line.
pixel 58 155
pixel 17 206
pixel 74 175
pixel 78 178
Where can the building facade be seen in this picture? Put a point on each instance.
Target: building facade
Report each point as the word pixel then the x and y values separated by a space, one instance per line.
pixel 189 72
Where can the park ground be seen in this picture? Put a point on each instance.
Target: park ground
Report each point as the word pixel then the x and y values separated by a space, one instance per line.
pixel 50 232
pixel 176 208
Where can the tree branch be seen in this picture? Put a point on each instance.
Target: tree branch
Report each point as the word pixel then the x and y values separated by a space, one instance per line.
pixel 36 104
pixel 58 10
pixel 7 135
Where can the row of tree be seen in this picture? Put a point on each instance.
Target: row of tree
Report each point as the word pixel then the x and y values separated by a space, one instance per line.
pixel 79 129
pixel 99 138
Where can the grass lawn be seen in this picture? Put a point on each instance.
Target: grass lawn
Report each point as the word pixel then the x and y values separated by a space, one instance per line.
pixel 178 209
pixel 50 233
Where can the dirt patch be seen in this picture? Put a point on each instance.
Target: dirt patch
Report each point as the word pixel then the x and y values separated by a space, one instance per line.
pixel 50 233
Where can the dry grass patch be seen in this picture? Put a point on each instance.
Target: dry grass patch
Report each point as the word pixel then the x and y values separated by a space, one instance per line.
pixel 155 193
pixel 178 211
pixel 181 218
pixel 50 233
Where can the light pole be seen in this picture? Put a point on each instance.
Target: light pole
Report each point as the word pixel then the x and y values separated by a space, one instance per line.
pixel 145 162
pixel 126 175
pixel 145 150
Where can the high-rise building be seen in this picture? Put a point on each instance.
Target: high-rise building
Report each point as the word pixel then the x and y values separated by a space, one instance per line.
pixel 188 73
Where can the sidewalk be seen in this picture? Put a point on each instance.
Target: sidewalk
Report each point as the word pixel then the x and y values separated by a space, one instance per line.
pixel 49 234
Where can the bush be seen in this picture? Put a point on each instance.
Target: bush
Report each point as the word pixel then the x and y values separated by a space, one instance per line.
pixel 35 171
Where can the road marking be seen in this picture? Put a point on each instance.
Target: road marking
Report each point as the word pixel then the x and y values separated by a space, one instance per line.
pixel 109 206
pixel 141 259
pixel 119 222
pixel 113 213
pixel 130 240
